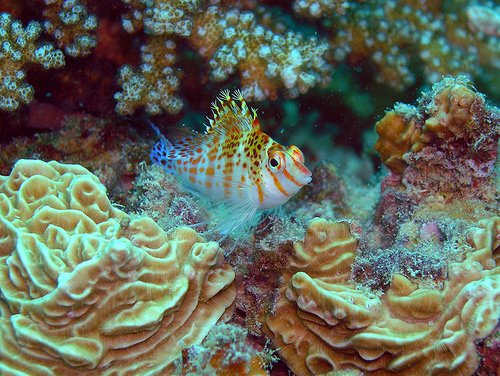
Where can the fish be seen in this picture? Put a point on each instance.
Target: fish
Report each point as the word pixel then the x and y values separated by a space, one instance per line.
pixel 234 163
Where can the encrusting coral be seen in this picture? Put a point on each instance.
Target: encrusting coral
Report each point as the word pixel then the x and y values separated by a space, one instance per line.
pixel 447 146
pixel 85 289
pixel 323 323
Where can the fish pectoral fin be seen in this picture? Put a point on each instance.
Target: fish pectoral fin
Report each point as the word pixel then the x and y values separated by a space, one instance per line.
pixel 230 216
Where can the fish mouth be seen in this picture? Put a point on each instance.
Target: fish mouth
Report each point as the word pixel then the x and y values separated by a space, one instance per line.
pixel 306 175
pixel 307 179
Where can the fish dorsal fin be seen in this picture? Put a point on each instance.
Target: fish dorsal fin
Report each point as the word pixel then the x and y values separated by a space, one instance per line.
pixel 231 114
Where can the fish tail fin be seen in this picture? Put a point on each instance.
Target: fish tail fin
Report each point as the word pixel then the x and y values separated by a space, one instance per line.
pixel 161 151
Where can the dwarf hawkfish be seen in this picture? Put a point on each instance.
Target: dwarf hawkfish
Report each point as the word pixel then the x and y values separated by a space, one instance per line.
pixel 234 163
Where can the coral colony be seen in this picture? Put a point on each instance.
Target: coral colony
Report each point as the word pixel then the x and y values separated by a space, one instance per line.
pixel 323 200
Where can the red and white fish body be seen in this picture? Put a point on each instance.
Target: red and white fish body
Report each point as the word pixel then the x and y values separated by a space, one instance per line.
pixel 235 163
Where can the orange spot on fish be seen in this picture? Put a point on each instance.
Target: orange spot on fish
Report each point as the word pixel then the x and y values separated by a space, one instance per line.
pixel 259 192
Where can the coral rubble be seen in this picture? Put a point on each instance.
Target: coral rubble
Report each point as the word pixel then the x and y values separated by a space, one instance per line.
pixel 86 289
pixel 114 157
pixel 384 264
pixel 416 290
pixel 224 352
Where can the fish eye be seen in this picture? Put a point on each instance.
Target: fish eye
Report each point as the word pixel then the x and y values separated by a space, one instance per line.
pixel 276 161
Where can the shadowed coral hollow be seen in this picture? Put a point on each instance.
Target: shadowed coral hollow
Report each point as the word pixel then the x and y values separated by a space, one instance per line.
pixel 85 289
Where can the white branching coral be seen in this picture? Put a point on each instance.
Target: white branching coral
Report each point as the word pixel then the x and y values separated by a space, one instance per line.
pixel 267 62
pixel 71 25
pixel 159 17
pixel 154 84
pixel 19 47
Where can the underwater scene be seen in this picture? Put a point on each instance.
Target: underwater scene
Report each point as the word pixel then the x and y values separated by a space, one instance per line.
pixel 242 187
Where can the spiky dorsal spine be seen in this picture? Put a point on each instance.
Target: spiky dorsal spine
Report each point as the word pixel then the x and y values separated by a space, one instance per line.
pixel 232 114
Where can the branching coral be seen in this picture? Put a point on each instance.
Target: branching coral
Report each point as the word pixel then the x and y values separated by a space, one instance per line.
pixel 18 48
pixel 67 21
pixel 159 17
pixel 394 35
pixel 447 146
pixel 71 25
pixel 231 41
pixel 152 86
pixel 85 289
pixel 321 8
pixel 267 62
pixel 484 19
pixel 323 323
pixel 285 49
